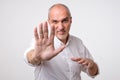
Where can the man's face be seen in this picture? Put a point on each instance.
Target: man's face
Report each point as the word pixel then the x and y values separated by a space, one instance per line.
pixel 61 20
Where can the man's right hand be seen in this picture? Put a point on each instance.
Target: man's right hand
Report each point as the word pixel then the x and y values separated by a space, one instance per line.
pixel 44 44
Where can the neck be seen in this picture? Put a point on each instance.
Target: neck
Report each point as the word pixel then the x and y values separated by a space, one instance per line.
pixel 65 40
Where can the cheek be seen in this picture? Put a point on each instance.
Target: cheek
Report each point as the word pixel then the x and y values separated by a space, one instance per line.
pixel 51 24
pixel 67 27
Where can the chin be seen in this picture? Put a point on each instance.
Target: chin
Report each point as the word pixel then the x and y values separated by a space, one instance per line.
pixel 62 37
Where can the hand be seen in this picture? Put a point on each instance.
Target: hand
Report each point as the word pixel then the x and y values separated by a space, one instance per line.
pixel 84 61
pixel 44 44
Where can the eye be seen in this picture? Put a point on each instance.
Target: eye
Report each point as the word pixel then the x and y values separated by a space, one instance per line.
pixel 65 20
pixel 55 21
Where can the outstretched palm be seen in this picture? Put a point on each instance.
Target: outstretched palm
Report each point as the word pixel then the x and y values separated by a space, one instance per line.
pixel 44 44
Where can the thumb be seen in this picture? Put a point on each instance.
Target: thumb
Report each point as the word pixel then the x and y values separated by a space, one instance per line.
pixel 57 51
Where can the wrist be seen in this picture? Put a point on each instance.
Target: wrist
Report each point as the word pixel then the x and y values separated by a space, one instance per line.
pixel 93 70
pixel 32 58
pixel 36 60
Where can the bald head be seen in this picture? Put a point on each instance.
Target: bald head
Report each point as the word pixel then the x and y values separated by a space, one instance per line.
pixel 58 8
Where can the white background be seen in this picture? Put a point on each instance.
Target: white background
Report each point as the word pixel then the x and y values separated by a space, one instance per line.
pixel 96 22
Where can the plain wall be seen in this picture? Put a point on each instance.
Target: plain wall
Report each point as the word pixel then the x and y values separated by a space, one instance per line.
pixel 96 22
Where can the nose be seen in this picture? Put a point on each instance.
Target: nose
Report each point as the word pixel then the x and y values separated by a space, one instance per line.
pixel 60 26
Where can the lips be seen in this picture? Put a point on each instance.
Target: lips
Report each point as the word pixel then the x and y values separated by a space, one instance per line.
pixel 61 32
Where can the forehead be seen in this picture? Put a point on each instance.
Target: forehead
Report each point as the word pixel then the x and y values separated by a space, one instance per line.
pixel 58 13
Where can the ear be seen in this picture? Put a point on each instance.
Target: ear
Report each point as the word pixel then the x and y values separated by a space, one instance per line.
pixel 71 19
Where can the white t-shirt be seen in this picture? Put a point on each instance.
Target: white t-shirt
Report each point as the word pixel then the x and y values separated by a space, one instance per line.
pixel 61 67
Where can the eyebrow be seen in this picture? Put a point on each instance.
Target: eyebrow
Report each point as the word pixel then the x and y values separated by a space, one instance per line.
pixel 61 19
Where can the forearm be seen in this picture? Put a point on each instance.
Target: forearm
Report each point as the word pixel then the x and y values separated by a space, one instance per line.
pixel 93 70
pixel 32 59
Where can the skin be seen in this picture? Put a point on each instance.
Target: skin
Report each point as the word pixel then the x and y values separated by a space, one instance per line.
pixel 60 21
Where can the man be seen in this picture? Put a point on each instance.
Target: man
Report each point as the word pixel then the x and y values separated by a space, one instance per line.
pixel 59 56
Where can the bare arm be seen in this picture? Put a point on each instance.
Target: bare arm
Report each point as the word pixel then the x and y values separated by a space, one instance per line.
pixel 44 45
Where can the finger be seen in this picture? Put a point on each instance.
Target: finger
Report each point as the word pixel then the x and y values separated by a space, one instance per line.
pixel 75 59
pixel 57 51
pixel 52 33
pixel 45 32
pixel 40 31
pixel 36 33
pixel 85 63
pixel 90 64
pixel 81 61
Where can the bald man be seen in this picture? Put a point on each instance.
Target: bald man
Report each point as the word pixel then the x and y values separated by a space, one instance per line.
pixel 60 55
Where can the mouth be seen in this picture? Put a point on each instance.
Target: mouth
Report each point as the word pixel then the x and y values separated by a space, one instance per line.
pixel 61 32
